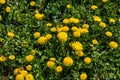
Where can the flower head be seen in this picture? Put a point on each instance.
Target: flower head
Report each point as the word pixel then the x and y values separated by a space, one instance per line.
pixel 39 16
pixel 83 76
pixel 76 34
pixel 86 26
pixel 87 60
pixel 36 34
pixel 19 77
pixel 59 69
pixel 68 61
pixel 48 24
pixel 94 7
pixel 32 3
pixel 53 29
pixel 66 21
pixel 42 40
pixel 104 1
pixel 96 18
pixel 24 73
pixel 10 34
pixel 94 41
pixel 29 58
pixel 48 36
pixel 7 9
pixel 29 77
pixel 113 44
pixel 52 59
pixel 62 36
pixel 16 71
pixel 69 6
pixel 50 64
pixel 11 57
pixel 111 20
pixel 2 1
pixel 29 67
pixel 108 33
pixel 2 58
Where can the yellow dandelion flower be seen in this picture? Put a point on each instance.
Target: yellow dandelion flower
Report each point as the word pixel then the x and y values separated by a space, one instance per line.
pixel 104 1
pixel 48 24
pixel 42 40
pixel 37 11
pixel 24 73
pixel 74 20
pixel 86 26
pixel 94 7
pixel 102 24
pixel 53 29
pixel 83 76
pixel 29 58
pixel 74 28
pixel 96 18
pixel 52 59
pixel 7 9
pixel 36 34
pixel 59 69
pixel 68 61
pixel 65 28
pixel 2 1
pixel 0 18
pixel 11 57
pixel 80 53
pixel 29 67
pixel 108 33
pixel 76 34
pixel 10 34
pixel 59 29
pixel 29 77
pixel 32 3
pixel 2 58
pixel 69 6
pixel 113 44
pixel 77 46
pixel 48 36
pixel 19 77
pixel 39 16
pixel 66 21
pixel 16 71
pixel 62 36
pixel 21 69
pixel 87 60
pixel 111 20
pixel 50 64
pixel 94 41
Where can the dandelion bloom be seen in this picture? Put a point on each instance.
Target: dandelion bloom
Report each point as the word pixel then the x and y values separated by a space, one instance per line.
pixel 53 29
pixel 36 34
pixel 80 53
pixel 74 28
pixel 50 64
pixel 68 61
pixel 74 20
pixel 11 57
pixel 48 24
pixel 42 40
pixel 29 58
pixel 59 69
pixel 76 45
pixel 52 59
pixel 16 71
pixel 32 3
pixel 48 36
pixel 7 9
pixel 62 36
pixel 2 1
pixel 29 67
pixel 102 24
pixel 65 28
pixel 108 33
pixel 87 60
pixel 113 44
pixel 76 34
pixel 19 77
pixel 94 7
pixel 69 6
pixel 39 16
pixel 111 20
pixel 24 73
pixel 83 76
pixel 29 77
pixel 94 41
pixel 32 52
pixel 2 58
pixel 96 18
pixel 104 1
pixel 86 26
pixel 66 21
pixel 10 34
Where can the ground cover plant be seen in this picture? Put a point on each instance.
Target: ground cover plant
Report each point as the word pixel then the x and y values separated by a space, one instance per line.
pixel 59 39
